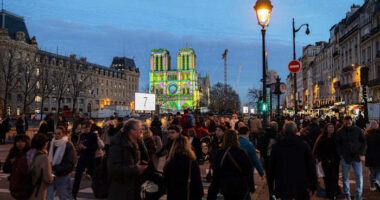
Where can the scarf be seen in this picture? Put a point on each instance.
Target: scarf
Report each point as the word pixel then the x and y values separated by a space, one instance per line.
pixel 56 158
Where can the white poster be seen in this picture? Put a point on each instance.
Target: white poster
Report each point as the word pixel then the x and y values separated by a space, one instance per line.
pixel 245 110
pixel 144 101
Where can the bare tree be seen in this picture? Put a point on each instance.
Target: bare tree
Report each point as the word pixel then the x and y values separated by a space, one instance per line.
pixel 79 83
pixel 45 85
pixel 223 99
pixel 253 96
pixel 60 85
pixel 8 77
pixel 29 82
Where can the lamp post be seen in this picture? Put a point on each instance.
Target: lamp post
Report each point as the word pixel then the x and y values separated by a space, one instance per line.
pixel 294 58
pixel 263 10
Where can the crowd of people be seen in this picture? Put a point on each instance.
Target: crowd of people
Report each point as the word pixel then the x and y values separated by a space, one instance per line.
pixel 121 157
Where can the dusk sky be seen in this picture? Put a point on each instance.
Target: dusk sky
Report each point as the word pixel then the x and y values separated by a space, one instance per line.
pixel 100 30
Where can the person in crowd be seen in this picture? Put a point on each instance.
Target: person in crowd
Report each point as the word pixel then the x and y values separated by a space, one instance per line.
pixel 181 172
pixel 233 174
pixel 173 133
pixel 62 122
pixel 313 132
pixel 125 163
pixel 255 126
pixel 100 152
pixel 350 146
pixel 156 123
pixel 292 173
pixel 306 121
pixel 360 122
pixel 87 147
pixel 186 122
pixel 216 143
pixel 21 125
pixel 116 126
pixel 250 149
pixel 106 137
pixel 95 128
pixel 21 145
pixel 177 119
pixel 40 166
pixel 270 138
pixel 148 141
pixel 158 144
pixel 325 151
pixel 169 121
pixel 222 121
pixel 195 143
pixel 211 124
pixel 5 127
pixel 372 158
pixel 62 156
pixel 50 122
pixel 234 121
pixel 43 127
pixel 201 131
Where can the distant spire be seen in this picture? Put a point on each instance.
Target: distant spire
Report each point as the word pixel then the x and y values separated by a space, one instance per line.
pixel 2 4
pixel 123 49
pixel 187 44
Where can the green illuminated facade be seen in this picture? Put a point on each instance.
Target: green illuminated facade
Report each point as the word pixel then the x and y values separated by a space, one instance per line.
pixel 175 89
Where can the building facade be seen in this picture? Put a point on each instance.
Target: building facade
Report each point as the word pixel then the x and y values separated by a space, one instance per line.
pixel 58 83
pixel 175 89
pixel 334 72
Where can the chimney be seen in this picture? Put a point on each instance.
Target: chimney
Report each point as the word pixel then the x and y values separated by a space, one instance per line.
pixel 83 59
pixel 73 57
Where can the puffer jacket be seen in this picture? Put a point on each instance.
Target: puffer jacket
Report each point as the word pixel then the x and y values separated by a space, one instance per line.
pixel 350 143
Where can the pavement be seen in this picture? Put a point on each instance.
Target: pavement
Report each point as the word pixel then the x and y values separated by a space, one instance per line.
pixel 261 193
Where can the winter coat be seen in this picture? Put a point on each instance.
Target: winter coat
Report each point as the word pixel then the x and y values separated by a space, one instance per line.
pixel 251 150
pixel 215 145
pixel 176 174
pixel 21 126
pixel 43 127
pixel 41 167
pixel 68 161
pixel 50 124
pixel 325 149
pixel 228 178
pixel 291 169
pixel 350 143
pixel 255 125
pixel 123 174
pixel 314 132
pixel 4 128
pixel 373 149
pixel 197 147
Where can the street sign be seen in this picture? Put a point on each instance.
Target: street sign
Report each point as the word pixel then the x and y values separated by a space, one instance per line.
pixel 294 66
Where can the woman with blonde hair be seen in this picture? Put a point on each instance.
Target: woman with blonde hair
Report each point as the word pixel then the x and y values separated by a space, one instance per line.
pixel 233 174
pixel 181 172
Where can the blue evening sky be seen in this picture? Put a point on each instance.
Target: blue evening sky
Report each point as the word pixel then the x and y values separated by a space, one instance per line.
pixel 101 29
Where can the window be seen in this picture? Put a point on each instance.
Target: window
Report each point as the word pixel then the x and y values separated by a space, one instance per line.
pixel 38 85
pixel 37 71
pixel 37 99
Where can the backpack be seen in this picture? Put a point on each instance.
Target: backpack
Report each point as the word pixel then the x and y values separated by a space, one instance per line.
pixel 21 180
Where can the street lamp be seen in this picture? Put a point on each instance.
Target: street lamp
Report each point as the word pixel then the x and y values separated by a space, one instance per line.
pixel 294 58
pixel 263 10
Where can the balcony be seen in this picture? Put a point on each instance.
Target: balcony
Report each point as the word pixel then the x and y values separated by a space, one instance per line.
pixel 349 68
pixel 375 30
pixel 337 84
pixel 335 54
pixel 348 86
pixel 374 82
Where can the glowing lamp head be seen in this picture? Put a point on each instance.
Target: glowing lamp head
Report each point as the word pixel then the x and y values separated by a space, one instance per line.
pixel 263 10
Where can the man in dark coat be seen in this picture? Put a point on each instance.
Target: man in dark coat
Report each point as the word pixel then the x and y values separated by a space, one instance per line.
pixel 21 125
pixel 291 170
pixel 4 128
pixel 50 123
pixel 314 132
pixel 125 163
pixel 350 146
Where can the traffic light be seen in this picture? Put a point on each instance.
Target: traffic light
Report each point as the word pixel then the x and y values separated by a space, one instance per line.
pixel 263 107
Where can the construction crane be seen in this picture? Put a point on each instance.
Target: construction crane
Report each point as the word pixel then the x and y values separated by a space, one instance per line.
pixel 224 57
pixel 237 80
